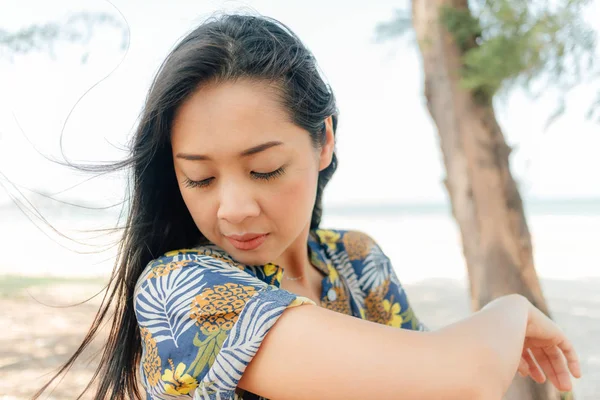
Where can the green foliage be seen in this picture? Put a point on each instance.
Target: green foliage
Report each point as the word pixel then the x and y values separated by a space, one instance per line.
pixel 397 26
pixel 519 42
pixel 464 26
pixel 78 28
pixel 566 396
pixel 533 44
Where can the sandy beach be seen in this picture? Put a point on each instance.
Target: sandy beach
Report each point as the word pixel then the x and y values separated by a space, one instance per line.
pixel 45 331
pixel 39 285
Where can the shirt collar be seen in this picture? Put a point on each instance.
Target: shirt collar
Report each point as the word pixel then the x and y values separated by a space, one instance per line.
pixel 316 253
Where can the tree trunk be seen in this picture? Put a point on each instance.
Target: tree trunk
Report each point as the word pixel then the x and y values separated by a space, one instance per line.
pixel 485 199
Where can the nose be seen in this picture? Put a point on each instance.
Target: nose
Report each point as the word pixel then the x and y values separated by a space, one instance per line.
pixel 236 203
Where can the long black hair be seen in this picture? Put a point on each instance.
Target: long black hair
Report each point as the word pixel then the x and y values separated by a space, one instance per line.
pixel 224 48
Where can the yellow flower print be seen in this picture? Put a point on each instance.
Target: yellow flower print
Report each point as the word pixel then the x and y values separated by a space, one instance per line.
pixel 177 382
pixel 328 237
pixel 393 313
pixel 151 361
pixel 219 307
pixel 273 271
pixel 333 274
pixel 270 269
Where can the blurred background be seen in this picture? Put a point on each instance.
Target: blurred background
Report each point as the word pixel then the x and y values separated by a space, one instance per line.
pixel 73 79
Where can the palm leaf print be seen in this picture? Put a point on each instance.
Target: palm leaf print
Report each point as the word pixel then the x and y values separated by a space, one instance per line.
pixel 144 276
pixel 229 272
pixel 342 264
pixel 245 337
pixel 376 269
pixel 163 303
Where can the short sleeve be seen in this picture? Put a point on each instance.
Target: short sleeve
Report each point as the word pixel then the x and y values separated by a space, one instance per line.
pixel 386 302
pixel 407 317
pixel 202 320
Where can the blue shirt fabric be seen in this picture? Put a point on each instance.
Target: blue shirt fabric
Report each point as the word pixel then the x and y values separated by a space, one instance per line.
pixel 202 315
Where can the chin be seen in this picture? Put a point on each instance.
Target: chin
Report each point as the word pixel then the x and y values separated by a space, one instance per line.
pixel 254 257
pixel 251 259
pixel 265 253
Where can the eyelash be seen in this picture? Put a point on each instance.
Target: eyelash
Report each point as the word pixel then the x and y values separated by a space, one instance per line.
pixel 266 176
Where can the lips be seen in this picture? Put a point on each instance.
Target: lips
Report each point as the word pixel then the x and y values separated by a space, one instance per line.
pixel 248 241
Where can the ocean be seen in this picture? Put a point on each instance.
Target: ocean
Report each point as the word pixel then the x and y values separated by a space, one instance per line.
pixel 422 240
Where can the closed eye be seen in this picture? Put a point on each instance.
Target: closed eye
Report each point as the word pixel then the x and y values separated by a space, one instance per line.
pixel 268 175
pixel 265 176
pixel 197 184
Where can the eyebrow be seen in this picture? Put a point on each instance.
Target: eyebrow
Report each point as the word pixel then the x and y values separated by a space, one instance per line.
pixel 245 153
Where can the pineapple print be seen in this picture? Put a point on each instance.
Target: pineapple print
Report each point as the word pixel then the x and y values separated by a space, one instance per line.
pixel 218 307
pixel 374 306
pixel 165 269
pixel 357 244
pixel 151 362
pixel 340 304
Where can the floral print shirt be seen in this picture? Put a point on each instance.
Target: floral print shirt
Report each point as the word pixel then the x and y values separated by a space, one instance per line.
pixel 202 315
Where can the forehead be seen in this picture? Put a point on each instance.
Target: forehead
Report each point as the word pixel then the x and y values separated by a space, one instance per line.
pixel 233 115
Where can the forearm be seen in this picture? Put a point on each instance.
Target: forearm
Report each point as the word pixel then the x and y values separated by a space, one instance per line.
pixel 494 338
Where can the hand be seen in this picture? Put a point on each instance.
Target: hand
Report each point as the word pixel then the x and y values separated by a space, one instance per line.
pixel 547 353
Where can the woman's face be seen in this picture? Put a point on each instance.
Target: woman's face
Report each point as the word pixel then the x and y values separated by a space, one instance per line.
pixel 247 174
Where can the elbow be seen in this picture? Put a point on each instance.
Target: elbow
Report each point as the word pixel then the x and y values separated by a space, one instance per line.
pixel 484 392
pixel 481 388
pixel 473 368
pixel 487 381
pixel 473 374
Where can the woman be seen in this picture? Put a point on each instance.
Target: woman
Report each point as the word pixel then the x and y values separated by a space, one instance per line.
pixel 227 288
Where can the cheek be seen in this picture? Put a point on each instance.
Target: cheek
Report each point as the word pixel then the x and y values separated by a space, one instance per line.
pixel 200 209
pixel 294 200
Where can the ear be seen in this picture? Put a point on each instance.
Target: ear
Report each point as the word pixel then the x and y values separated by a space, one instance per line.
pixel 329 145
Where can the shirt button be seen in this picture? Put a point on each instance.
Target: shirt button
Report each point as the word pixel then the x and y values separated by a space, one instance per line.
pixel 331 295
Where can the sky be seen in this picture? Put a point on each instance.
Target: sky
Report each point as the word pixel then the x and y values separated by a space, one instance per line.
pixel 387 143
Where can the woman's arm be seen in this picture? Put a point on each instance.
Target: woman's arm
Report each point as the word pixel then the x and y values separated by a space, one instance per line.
pixel 314 353
pixel 496 334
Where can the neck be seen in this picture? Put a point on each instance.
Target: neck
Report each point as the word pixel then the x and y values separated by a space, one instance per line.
pixel 294 260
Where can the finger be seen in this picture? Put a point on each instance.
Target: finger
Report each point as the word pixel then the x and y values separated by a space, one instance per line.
pixel 552 362
pixel 566 348
pixel 535 371
pixel 570 355
pixel 523 368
